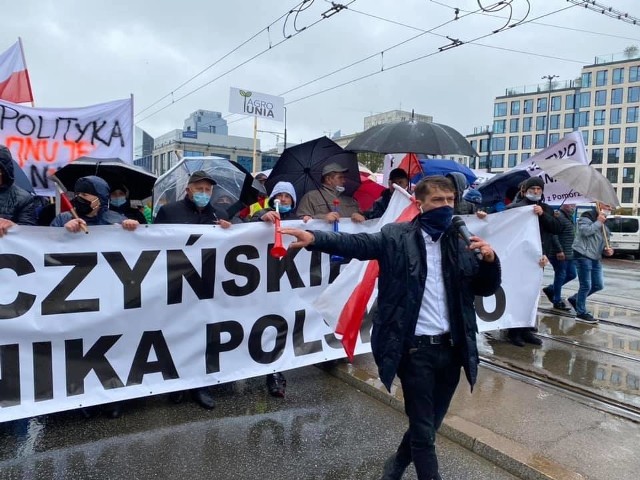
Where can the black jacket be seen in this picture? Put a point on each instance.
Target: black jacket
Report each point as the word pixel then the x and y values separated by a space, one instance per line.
pixel 128 211
pixel 16 204
pixel 185 211
pixel 563 242
pixel 379 206
pixel 549 224
pixel 401 252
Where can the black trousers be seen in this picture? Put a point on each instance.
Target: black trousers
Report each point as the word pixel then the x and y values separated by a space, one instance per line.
pixel 429 374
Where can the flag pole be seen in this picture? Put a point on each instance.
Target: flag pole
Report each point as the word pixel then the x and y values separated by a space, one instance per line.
pixel 26 71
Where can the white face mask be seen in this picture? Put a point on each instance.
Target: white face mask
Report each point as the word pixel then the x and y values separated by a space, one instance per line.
pixel 533 198
pixel 606 213
pixel 339 189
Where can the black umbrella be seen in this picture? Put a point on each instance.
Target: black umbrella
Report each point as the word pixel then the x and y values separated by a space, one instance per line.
pixel 503 185
pixel 302 165
pixel 412 137
pixel 114 171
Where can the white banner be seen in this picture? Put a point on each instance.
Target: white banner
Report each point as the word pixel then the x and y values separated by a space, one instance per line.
pixel 262 105
pixel 89 319
pixel 43 140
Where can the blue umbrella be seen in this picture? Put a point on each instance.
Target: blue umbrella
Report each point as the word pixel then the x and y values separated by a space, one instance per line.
pixel 442 166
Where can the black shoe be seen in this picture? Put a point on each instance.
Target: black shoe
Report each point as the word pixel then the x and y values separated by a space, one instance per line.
pixel 529 337
pixel 561 306
pixel 177 397
pixel 515 337
pixel 393 468
pixel 204 398
pixel 549 293
pixel 587 318
pixel 572 301
pixel 276 384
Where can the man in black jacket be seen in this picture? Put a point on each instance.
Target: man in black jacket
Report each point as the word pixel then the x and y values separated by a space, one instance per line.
pixel 425 325
pixel 16 205
pixel 397 176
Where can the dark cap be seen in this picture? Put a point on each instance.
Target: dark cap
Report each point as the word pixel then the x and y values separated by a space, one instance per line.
pixel 201 175
pixel 85 185
pixel 533 182
pixel 333 168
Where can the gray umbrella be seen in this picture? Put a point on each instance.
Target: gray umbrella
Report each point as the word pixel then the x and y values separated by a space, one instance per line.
pixel 412 136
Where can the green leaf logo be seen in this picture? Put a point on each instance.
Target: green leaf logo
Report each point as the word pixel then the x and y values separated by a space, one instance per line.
pixel 245 95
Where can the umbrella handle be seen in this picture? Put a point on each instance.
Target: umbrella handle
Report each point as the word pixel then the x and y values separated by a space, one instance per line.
pixel 604 230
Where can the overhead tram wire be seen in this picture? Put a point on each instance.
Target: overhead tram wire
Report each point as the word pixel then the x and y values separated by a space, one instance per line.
pixel 336 7
pixel 608 11
pixel 423 57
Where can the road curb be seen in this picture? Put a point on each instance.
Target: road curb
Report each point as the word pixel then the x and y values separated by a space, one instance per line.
pixel 503 452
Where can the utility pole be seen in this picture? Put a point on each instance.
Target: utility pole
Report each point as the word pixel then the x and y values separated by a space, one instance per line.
pixel 489 140
pixel 546 130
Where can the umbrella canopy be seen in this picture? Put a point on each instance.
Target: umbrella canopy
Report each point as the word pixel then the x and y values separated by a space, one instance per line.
pixel 582 178
pixel 113 170
pixel 441 166
pixel 412 136
pixel 368 192
pixel 20 178
pixel 302 164
pixel 232 180
pixel 501 186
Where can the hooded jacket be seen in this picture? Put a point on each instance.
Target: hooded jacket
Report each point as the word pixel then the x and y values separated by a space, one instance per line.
pixel 16 204
pixel 104 215
pixel 401 252
pixel 280 187
pixel 460 206
pixel 589 241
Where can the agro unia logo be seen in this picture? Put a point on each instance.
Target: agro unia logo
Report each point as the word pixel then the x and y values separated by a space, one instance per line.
pixel 256 107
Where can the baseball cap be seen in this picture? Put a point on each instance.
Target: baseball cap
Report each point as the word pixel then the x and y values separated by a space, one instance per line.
pixel 333 167
pixel 201 175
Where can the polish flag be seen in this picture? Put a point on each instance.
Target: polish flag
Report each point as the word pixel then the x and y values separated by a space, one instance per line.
pixel 344 303
pixel 411 164
pixel 14 78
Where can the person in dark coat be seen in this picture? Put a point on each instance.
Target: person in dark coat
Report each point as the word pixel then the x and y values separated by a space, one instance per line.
pixel 195 208
pixel 533 189
pixel 397 176
pixel 424 329
pixel 119 202
pixel 16 205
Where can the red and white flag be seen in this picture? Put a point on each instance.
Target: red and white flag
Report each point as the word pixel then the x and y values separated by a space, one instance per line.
pixel 14 78
pixel 344 303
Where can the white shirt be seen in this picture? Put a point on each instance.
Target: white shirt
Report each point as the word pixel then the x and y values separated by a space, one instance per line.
pixel 433 318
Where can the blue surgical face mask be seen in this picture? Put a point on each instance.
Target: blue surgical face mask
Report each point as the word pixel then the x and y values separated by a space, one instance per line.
pixel 284 208
pixel 201 199
pixel 118 201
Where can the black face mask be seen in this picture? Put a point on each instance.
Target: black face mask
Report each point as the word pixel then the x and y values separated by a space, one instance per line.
pixel 82 206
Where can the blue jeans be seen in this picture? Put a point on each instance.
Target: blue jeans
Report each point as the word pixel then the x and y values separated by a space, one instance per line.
pixel 429 375
pixel 590 278
pixel 563 272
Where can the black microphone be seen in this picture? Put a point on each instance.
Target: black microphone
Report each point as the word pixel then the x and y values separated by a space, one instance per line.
pixel 465 234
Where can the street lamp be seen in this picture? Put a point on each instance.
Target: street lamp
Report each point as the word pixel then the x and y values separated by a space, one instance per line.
pixel 546 130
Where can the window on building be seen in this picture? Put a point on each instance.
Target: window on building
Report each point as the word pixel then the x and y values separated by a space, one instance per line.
pixel 626 195
pixel 633 94
pixel 500 109
pixel 554 122
pixel 583 119
pixel 632 114
pixel 525 156
pixel 601 78
pixel 598 137
pixel 585 136
pixel 483 162
pixel 526 124
pixel 631 135
pixel 553 138
pixel 499 126
pixel 634 74
pixel 629 154
pixel 526 142
pixel 596 156
pixel 528 106
pixel 568 120
pixel 615 116
pixel 586 80
pixel 497 161
pixel 601 97
pixel 599 117
pixel 542 105
pixel 474 144
pixel 513 160
pixel 614 135
pixel 628 175
pixel 612 175
pixel 570 101
pixel 541 123
pixel 497 144
pixel 484 145
pixel 515 107
pixel 618 76
pixel 616 96
pixel 540 140
pixel 613 156
pixel 585 100
pixel 514 125
pixel 556 103
pixel 513 143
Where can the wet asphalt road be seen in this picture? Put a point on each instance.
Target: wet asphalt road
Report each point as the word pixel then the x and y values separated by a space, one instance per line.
pixel 324 429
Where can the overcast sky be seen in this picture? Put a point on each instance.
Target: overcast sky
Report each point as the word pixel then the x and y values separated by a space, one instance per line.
pixel 82 52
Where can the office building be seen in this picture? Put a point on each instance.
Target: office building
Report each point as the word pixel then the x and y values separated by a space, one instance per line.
pixel 394 116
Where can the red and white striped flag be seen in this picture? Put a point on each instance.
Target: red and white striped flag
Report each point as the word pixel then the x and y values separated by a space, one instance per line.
pixel 344 303
pixel 14 78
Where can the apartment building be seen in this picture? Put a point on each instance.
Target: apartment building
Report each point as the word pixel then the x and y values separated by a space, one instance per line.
pixel 603 103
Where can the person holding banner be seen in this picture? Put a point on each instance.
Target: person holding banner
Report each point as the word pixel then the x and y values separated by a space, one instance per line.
pixel 17 206
pixel 119 203
pixel 397 176
pixel 424 328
